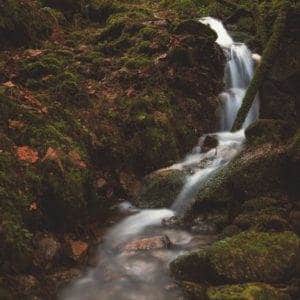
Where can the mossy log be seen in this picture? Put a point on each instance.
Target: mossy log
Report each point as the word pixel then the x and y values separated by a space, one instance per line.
pixel 268 57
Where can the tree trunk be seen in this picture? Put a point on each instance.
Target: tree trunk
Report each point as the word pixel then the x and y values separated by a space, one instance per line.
pixel 268 57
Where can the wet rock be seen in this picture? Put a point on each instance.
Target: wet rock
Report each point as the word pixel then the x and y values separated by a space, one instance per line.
pixel 248 256
pixel 209 143
pixel 48 250
pixel 172 222
pixel 93 256
pixel 160 188
pixel 246 292
pixel 152 243
pixel 203 227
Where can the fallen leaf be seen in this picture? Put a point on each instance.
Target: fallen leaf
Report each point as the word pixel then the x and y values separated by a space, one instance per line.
pixel 9 84
pixel 27 154
pixel 33 52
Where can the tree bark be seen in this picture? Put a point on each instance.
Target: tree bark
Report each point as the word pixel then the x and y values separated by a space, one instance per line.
pixel 268 57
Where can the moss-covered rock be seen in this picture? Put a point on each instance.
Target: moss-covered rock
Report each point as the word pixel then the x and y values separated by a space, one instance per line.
pixel 267 130
pixel 280 89
pixel 24 23
pixel 193 291
pixel 195 27
pixel 260 203
pixel 161 188
pixel 101 10
pixel 248 256
pixel 264 220
pixel 246 292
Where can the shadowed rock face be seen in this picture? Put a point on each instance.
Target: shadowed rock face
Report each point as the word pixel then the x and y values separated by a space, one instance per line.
pixel 281 85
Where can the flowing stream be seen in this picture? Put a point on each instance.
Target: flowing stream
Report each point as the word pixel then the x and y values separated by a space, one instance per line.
pixel 143 275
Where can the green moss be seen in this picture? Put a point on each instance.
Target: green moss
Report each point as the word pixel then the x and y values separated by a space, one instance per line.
pixel 160 189
pixel 254 256
pixel 245 257
pixel 148 33
pixel 257 204
pixel 136 62
pixel 268 130
pixel 33 70
pixel 246 292
pixel 69 7
pixel 144 47
pixel 186 7
pixel 23 23
pixel 180 56
pixel 64 193
pixel 270 219
pixel 70 90
pixel 101 10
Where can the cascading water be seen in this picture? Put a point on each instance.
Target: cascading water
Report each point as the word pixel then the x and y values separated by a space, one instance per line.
pixel 143 275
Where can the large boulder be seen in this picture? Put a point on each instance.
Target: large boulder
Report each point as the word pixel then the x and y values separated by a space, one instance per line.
pixel 246 257
pixel 160 188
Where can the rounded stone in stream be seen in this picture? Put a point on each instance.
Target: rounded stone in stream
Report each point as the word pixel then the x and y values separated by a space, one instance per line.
pixel 151 243
pixel 160 188
pixel 209 142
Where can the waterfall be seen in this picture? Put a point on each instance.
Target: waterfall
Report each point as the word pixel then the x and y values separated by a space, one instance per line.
pixel 238 75
pixel 144 276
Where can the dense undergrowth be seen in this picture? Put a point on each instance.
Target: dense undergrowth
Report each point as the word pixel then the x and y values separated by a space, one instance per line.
pixel 95 94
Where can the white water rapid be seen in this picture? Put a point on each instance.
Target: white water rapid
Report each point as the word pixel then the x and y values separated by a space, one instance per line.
pixel 143 275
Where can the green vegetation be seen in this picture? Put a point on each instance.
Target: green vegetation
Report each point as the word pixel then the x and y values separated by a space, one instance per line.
pixel 23 23
pixel 245 292
pixel 96 94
